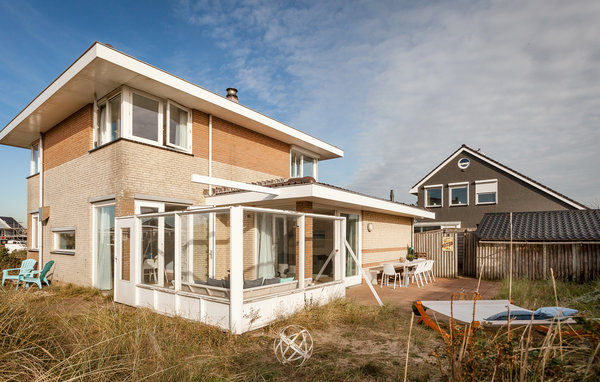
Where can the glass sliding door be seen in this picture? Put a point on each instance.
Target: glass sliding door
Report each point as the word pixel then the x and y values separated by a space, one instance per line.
pixel 105 231
pixel 352 239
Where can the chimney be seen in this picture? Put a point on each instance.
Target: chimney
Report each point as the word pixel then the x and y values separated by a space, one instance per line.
pixel 232 95
pixel 392 195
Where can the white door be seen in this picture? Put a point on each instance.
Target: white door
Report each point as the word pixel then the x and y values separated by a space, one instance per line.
pixel 125 256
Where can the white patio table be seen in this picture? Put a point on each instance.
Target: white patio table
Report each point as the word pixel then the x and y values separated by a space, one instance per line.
pixel 397 264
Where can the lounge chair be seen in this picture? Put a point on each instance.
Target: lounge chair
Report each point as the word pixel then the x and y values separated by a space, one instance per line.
pixel 29 278
pixel 25 269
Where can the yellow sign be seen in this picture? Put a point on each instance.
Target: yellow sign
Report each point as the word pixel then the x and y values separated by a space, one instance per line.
pixel 448 243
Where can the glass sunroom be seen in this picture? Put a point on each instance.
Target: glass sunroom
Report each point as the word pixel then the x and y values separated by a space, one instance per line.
pixel 237 268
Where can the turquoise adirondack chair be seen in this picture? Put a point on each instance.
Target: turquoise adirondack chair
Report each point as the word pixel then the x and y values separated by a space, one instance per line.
pixel 29 278
pixel 26 268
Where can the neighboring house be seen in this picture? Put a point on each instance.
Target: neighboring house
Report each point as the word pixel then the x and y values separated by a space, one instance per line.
pixel 114 137
pixel 10 229
pixel 468 184
pixel 566 242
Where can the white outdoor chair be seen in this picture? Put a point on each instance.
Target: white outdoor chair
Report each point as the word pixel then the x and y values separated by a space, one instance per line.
pixel 430 269
pixel 417 274
pixel 389 271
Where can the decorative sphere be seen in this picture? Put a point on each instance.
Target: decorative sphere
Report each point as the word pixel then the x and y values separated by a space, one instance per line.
pixel 293 345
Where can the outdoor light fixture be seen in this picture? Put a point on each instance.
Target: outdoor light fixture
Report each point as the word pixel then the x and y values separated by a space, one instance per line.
pixel 370 227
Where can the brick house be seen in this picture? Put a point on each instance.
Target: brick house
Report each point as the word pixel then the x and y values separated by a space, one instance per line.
pixel 113 137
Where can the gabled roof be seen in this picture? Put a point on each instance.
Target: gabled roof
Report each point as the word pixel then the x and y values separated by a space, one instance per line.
pixel 541 226
pixel 501 167
pixel 8 222
pixel 101 69
pixel 308 187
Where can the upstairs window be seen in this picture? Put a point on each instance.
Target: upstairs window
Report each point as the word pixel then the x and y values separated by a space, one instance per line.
pixel 433 196
pixel 34 166
pixel 459 194
pixel 302 165
pixel 146 118
pixel 486 191
pixel 108 120
pixel 179 126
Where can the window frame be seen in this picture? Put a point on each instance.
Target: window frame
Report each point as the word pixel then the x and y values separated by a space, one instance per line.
pixel 302 154
pixel 188 147
pixel 454 186
pixel 34 168
pixel 56 232
pixel 160 118
pixel 426 192
pixel 478 193
pixel 98 130
pixel 34 232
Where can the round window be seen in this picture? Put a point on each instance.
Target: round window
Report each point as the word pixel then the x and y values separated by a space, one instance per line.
pixel 463 163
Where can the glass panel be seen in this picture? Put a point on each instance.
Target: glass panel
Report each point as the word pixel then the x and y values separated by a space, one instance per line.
pixel 66 240
pixel 149 247
pixel 295 165
pixel 434 197
pixel 125 254
pixel 145 117
pixel 35 159
pixel 487 198
pixel 169 251
pixel 178 120
pixel 323 246
pixel 352 239
pixel 115 118
pixel 101 127
pixel 458 195
pixel 105 229
pixel 307 166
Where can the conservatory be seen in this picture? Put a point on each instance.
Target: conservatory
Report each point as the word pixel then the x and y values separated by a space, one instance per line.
pixel 237 268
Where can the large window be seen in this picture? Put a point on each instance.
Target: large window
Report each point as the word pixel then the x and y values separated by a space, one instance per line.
pixel 179 126
pixel 35 160
pixel 105 248
pixel 433 196
pixel 486 191
pixel 64 239
pixel 33 231
pixel 108 120
pixel 146 118
pixel 459 194
pixel 302 165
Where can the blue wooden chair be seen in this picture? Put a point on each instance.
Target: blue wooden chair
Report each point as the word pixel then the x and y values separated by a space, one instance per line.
pixel 26 268
pixel 29 278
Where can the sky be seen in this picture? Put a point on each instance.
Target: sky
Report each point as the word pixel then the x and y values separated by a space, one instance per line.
pixel 398 85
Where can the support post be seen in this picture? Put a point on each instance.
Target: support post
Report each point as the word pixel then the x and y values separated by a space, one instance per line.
pixel 236 269
pixel 301 242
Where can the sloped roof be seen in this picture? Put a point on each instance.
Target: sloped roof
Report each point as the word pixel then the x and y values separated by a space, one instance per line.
pixel 541 226
pixel 8 222
pixel 501 167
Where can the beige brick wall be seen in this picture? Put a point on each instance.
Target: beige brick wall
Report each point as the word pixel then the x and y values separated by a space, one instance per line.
pixel 388 239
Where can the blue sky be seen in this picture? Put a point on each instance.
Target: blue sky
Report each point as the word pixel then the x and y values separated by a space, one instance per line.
pixel 399 85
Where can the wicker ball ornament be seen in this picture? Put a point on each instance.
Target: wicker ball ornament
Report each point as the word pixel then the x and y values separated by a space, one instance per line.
pixel 293 345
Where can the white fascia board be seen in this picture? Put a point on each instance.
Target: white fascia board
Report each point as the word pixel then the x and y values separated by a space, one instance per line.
pixel 233 184
pixel 65 77
pixel 415 189
pixel 322 192
pixel 159 75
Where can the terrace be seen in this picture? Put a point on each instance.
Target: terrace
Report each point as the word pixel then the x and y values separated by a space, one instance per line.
pixel 237 268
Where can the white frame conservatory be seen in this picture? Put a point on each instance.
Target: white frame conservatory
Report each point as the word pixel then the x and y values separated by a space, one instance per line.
pixel 236 306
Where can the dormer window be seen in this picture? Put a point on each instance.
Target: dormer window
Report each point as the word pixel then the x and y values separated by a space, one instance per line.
pixel 303 164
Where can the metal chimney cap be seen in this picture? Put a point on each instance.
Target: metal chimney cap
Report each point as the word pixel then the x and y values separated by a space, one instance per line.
pixel 232 94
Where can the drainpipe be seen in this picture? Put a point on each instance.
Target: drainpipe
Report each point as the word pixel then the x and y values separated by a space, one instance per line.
pixel 41 203
pixel 210 151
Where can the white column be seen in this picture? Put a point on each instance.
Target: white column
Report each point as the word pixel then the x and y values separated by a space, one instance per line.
pixel 178 254
pixel 301 239
pixel 41 203
pixel 342 246
pixel 236 269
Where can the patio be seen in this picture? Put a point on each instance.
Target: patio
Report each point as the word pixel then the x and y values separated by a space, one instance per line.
pixel 441 289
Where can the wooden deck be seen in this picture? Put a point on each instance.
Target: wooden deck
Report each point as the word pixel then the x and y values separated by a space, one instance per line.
pixel 442 289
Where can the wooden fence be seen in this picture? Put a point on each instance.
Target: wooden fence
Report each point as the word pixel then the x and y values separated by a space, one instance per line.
pixel 571 261
pixel 446 262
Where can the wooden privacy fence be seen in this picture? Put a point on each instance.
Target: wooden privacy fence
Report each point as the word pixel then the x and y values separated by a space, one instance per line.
pixel 446 262
pixel 570 261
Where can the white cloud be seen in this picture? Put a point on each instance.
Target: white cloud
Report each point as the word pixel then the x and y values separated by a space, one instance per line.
pixel 401 86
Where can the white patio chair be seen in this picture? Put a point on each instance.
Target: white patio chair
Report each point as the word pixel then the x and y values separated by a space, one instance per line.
pixel 430 269
pixel 389 271
pixel 417 274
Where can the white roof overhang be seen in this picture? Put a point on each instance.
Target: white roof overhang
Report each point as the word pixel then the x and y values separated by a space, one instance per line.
pixel 322 194
pixel 102 69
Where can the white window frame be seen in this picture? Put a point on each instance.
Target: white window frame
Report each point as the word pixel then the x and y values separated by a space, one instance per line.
pixel 479 192
pixel 160 121
pixel 425 194
pixel 58 231
pixel 302 154
pixel 33 231
pixel 32 167
pixel 188 147
pixel 98 130
pixel 453 186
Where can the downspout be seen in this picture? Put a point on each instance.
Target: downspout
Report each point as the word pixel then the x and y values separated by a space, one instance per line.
pixel 210 151
pixel 41 203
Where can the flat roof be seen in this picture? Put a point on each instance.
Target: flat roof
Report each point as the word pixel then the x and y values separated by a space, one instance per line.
pixel 101 69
